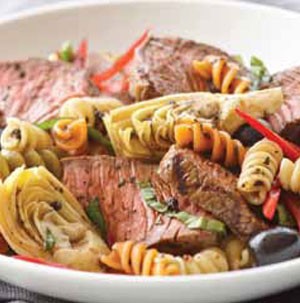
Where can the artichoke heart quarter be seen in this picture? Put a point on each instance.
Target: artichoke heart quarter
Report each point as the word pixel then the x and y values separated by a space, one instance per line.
pixel 145 130
pixel 39 217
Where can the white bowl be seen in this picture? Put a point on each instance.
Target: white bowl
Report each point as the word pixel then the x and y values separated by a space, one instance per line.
pixel 240 28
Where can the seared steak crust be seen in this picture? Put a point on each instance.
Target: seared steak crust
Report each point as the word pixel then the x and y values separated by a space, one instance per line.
pixel 114 182
pixel 287 120
pixel 200 184
pixel 163 66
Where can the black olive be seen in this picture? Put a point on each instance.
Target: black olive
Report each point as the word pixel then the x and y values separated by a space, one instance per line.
pixel 249 136
pixel 275 245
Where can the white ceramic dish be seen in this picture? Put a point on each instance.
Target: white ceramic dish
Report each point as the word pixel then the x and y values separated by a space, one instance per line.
pixel 240 28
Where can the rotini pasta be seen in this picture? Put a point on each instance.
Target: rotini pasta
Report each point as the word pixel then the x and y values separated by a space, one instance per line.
pixel 223 74
pixel 71 135
pixel 20 136
pixel 259 170
pixel 238 254
pixel 135 259
pixel 89 108
pixel 289 175
pixel 146 129
pixel 10 160
pixel 206 139
pixel 39 217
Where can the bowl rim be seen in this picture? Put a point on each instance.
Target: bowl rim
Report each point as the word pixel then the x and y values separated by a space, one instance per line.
pixel 140 280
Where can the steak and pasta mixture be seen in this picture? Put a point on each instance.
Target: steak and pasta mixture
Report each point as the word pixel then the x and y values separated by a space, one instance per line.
pixel 173 158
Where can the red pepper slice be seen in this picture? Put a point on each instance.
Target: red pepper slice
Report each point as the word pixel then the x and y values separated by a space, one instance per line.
pixel 82 52
pixel 270 205
pixel 38 261
pixel 292 203
pixel 289 149
pixel 121 62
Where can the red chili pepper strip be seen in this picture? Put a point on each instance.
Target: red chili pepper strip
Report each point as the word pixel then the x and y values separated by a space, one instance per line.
pixel 288 148
pixel 121 62
pixel 38 261
pixel 82 51
pixel 270 205
pixel 293 205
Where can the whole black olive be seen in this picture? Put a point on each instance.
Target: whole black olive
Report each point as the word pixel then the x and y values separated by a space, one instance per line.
pixel 249 136
pixel 275 245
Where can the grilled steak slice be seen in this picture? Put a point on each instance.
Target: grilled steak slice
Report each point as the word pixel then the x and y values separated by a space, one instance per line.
pixel 200 184
pixel 163 66
pixel 113 181
pixel 34 89
pixel 287 120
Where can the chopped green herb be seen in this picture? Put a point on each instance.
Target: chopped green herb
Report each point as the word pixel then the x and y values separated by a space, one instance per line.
pixel 49 242
pixel 95 135
pixel 48 125
pixel 239 59
pixel 284 216
pixel 95 215
pixel 259 72
pixel 66 52
pixel 191 221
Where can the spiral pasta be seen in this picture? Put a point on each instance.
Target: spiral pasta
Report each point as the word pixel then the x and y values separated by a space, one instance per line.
pixel 289 175
pixel 206 139
pixel 89 108
pixel 223 74
pixel 146 129
pixel 20 136
pixel 135 259
pixel 10 160
pixel 40 218
pixel 237 253
pixel 71 135
pixel 259 170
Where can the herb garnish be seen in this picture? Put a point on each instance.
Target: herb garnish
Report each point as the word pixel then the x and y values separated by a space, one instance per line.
pixel 49 124
pixel 259 73
pixel 191 221
pixel 94 213
pixel 97 136
pixel 66 53
pixel 50 241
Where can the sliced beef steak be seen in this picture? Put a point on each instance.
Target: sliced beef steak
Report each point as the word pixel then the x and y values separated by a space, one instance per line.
pixel 199 184
pixel 113 181
pixel 163 66
pixel 287 120
pixel 34 89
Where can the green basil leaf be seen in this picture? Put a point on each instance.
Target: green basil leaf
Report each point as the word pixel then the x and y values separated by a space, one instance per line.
pixel 94 213
pixel 259 73
pixel 66 52
pixel 47 125
pixel 95 135
pixel 50 241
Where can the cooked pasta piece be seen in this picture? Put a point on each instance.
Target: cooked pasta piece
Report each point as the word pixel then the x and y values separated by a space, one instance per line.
pixel 39 217
pixel 135 259
pixel 71 135
pixel 89 108
pixel 206 139
pixel 238 254
pixel 146 129
pixel 223 74
pixel 20 136
pixel 259 170
pixel 10 160
pixel 289 175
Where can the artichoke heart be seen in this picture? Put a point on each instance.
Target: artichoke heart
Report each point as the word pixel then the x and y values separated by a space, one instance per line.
pixel 145 130
pixel 34 205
